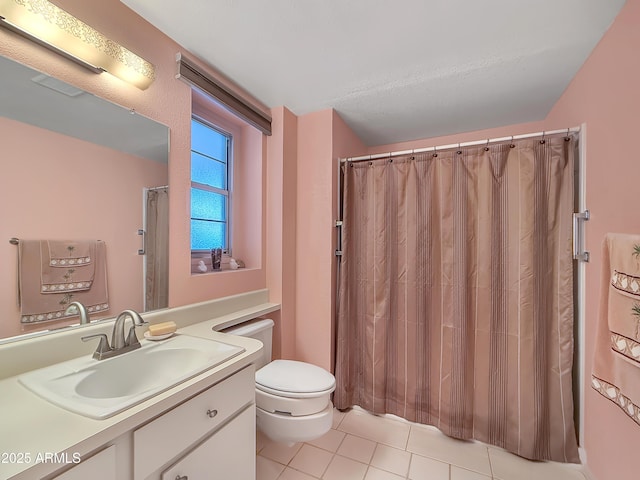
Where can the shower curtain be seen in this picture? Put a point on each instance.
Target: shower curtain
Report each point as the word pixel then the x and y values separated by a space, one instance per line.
pixel 157 249
pixel 455 303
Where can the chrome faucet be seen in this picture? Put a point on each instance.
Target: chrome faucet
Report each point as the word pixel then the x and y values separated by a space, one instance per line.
pixel 119 344
pixel 118 341
pixel 77 308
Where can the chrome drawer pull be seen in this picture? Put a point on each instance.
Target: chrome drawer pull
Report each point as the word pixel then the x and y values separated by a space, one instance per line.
pixel 178 477
pixel 212 413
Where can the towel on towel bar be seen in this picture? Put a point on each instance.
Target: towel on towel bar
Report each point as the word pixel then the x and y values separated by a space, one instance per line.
pixel 35 306
pixel 65 253
pixel 616 366
pixel 67 274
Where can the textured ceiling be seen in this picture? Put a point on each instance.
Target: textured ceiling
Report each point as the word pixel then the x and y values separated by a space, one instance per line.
pixel 394 70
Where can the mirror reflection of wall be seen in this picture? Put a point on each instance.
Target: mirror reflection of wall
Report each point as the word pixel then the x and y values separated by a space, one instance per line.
pixel 57 187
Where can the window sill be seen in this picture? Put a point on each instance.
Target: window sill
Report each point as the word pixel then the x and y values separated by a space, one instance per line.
pixel 223 271
pixel 202 260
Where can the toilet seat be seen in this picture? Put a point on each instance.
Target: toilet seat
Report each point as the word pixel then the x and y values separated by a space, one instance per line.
pixel 293 379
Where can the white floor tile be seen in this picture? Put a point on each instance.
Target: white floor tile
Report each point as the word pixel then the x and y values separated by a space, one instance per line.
pixel 342 468
pixel 511 467
pixel 391 459
pixel 422 468
pixel 458 473
pixel 291 474
pixel 429 442
pixel 329 441
pixel 377 428
pixel 280 452
pixel 350 452
pixel 376 474
pixel 357 448
pixel 267 469
pixel 311 460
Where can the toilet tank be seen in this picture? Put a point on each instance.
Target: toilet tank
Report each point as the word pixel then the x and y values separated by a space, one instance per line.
pixel 260 330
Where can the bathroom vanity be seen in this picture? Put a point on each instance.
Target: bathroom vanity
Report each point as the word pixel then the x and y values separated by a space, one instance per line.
pixel 204 424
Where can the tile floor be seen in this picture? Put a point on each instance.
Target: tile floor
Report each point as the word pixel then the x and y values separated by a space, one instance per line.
pixel 361 446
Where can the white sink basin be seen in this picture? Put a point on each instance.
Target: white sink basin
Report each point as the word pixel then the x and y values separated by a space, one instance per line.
pixel 102 388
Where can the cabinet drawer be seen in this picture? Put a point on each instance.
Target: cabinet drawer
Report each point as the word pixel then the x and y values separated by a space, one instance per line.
pixel 101 466
pixel 159 442
pixel 230 453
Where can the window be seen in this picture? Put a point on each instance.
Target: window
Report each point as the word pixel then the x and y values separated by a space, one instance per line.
pixel 210 158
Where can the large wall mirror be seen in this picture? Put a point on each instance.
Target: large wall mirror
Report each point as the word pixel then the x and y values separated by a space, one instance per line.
pixel 77 168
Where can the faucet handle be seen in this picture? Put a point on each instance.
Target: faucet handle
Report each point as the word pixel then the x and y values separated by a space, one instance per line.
pixel 103 346
pixel 132 338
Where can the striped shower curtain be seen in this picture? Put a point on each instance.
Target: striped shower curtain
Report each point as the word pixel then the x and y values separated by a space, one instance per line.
pixel 157 249
pixel 456 293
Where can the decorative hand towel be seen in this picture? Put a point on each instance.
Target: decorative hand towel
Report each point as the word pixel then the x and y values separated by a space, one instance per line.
pixel 75 275
pixel 63 253
pixel 616 366
pixel 38 307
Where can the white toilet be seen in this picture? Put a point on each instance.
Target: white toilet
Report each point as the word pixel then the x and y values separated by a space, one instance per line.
pixel 292 398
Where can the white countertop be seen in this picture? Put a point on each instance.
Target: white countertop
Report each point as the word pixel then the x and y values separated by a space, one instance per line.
pixel 31 426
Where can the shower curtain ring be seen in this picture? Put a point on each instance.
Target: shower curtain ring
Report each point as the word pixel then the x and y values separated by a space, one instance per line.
pixel 435 152
pixel 567 138
pixel 459 152
pixel 486 147
pixel 542 141
pixel 511 145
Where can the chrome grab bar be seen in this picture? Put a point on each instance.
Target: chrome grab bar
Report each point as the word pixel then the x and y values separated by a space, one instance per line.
pixel 143 234
pixel 578 236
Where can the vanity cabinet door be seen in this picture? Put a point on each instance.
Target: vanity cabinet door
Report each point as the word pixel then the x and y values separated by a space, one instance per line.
pixel 229 454
pixel 168 436
pixel 101 466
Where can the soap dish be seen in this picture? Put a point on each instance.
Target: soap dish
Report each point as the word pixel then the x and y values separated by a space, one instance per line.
pixel 156 338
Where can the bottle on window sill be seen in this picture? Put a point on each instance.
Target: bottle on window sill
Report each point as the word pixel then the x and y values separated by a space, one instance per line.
pixel 216 259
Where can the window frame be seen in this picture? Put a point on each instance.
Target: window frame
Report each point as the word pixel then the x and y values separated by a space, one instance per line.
pixel 228 193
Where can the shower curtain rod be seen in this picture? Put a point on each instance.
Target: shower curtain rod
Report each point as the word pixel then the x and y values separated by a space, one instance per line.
pixel 457 145
pixel 157 188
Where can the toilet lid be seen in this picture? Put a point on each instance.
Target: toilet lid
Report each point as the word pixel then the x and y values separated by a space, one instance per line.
pixel 289 376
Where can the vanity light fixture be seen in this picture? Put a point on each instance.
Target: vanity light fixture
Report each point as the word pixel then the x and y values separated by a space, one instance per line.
pixel 50 26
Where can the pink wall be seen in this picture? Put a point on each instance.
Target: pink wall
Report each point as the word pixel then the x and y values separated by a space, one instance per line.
pixel 48 202
pixel 605 96
pixel 498 132
pixel 168 101
pixel 282 193
pixel 313 240
pixel 321 139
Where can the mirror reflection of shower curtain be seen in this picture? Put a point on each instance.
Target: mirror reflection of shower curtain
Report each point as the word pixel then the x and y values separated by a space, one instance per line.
pixel 157 248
